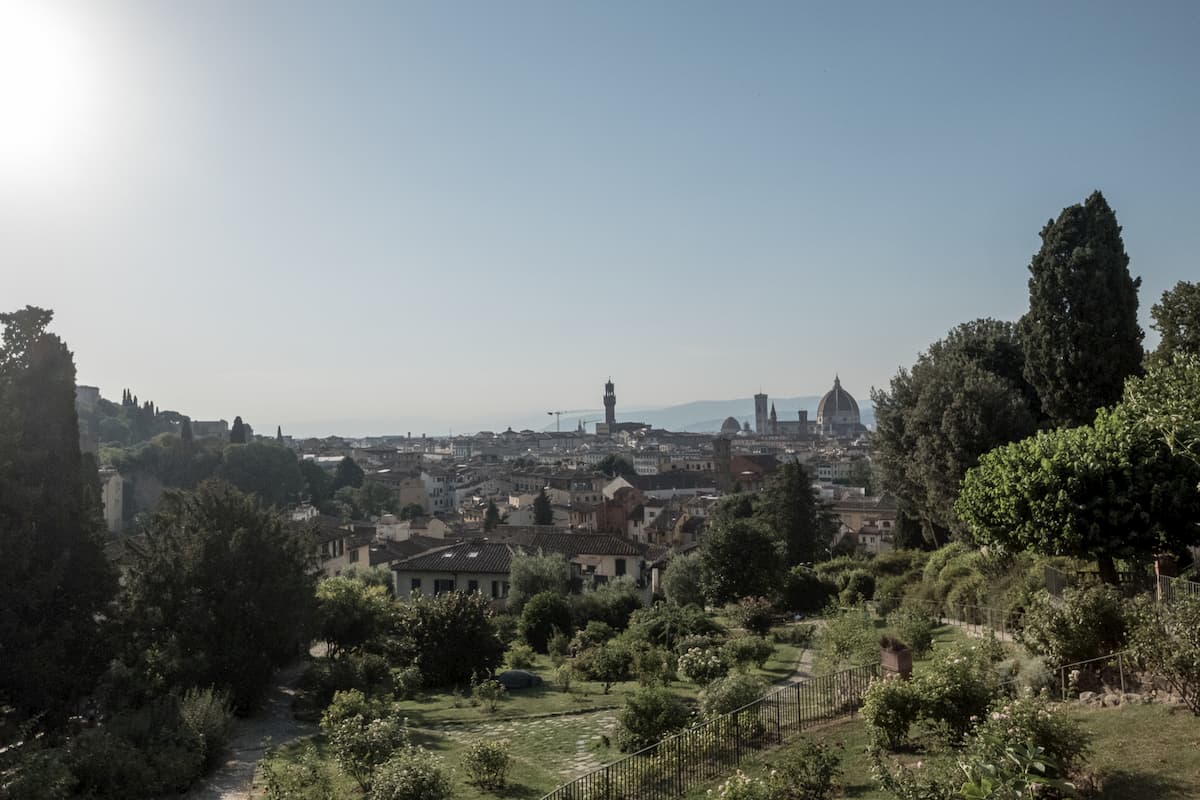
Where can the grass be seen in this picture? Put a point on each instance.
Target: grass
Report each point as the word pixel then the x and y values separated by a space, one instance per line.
pixel 543 747
pixel 1146 752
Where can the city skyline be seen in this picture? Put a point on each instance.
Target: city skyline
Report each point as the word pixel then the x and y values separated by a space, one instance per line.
pixel 296 214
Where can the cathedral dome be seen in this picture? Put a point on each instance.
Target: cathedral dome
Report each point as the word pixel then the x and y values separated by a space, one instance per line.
pixel 837 408
pixel 730 426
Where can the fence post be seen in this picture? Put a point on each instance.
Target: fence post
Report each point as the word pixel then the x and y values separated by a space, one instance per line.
pixel 1121 669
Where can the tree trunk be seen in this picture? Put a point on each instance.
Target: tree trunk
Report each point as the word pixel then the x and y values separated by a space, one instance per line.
pixel 1108 570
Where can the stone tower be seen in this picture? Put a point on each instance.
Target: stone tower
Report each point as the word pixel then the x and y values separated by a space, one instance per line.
pixel 760 413
pixel 722 457
pixel 610 404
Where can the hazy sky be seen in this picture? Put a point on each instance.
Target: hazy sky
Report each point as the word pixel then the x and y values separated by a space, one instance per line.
pixel 377 217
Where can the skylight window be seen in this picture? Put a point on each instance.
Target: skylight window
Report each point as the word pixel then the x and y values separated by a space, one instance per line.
pixel 473 555
pixel 447 555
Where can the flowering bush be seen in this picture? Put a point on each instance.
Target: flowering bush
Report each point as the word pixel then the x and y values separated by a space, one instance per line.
pixel 412 773
pixel 703 666
pixel 730 693
pixel 957 688
pixel 742 787
pixel 486 763
pixel 914 627
pixel 1032 720
pixel 489 693
pixel 360 746
pixel 755 614
pixel 890 707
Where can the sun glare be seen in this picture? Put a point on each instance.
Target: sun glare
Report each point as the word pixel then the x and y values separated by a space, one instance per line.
pixel 47 89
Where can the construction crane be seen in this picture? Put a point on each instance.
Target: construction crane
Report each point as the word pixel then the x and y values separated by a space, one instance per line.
pixel 558 416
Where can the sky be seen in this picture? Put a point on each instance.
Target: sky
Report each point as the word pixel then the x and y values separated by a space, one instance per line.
pixel 377 217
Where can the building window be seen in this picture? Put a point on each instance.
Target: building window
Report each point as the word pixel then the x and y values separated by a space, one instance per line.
pixel 416 585
pixel 441 586
pixel 354 555
pixel 496 589
pixel 473 587
pixel 620 566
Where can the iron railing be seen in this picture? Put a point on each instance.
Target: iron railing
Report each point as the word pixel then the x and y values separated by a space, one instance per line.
pixel 976 620
pixel 1171 590
pixel 716 748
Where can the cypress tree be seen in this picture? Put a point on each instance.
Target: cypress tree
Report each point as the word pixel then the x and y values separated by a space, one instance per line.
pixel 237 434
pixel 279 434
pixel 1081 334
pixel 54 578
pixel 185 430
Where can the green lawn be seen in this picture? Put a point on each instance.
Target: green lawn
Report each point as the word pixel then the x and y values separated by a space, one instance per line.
pixel 1146 752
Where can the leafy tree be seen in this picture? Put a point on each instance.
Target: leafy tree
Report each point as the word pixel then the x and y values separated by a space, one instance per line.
pixel 607 664
pixel 542 616
pixel 1104 491
pixel 1177 319
pixel 666 624
pixel 54 579
pixel 862 475
pixel 237 434
pixel 741 558
pixel 1167 403
pixel 683 580
pixel 965 396
pixel 1081 334
pixel 530 574
pixel 612 603
pixel 791 507
pixel 449 637
pixel 269 471
pixel 412 511
pixel 372 499
pixel 491 517
pixel 614 466
pixel 219 592
pixel 351 614
pixel 543 512
pixel 348 474
pixel 318 485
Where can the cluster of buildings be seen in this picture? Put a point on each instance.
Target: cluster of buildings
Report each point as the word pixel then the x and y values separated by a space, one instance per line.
pixel 626 522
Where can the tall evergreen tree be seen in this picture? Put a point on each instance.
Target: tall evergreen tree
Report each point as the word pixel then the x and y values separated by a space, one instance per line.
pixel 348 473
pixel 543 512
pixel 185 431
pixel 491 517
pixel 1081 334
pixel 790 507
pixel 237 434
pixel 279 434
pixel 54 579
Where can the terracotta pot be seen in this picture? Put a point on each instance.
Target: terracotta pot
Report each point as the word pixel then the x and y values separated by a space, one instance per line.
pixel 898 662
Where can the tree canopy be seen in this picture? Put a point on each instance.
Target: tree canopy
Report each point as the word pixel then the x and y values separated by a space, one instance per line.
pixel 1177 319
pixel 1107 491
pixel 741 558
pixel 220 592
pixel 265 469
pixel 965 395
pixel 543 512
pixel 792 508
pixel 348 473
pixel 1081 333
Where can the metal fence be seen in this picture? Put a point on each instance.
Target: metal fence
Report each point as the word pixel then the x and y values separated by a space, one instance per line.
pixel 716 748
pixel 974 619
pixel 1172 589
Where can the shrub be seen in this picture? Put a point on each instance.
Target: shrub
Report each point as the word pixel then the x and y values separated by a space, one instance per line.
pixel 1032 720
pixel 857 585
pixel 682 580
pixel 914 626
pixel 1166 642
pixel 406 682
pixel 755 614
pixel 564 676
pixel 703 666
pixel 811 775
pixel 520 656
pixel 653 665
pixel 847 638
pixel 39 774
pixel 350 613
pixel 890 707
pixel 957 687
pixel 543 614
pixel 488 692
pixel 505 627
pixel 730 693
pixel 805 591
pixel 833 569
pixel 701 642
pixel 606 664
pixel 208 715
pixel 361 746
pixel 107 765
pixel 798 635
pixel 365 672
pixel 349 705
pixel 611 603
pixel 451 636
pixel 1028 675
pixel 1088 623
pixel 596 633
pixel 486 762
pixel 558 647
pixel 664 624
pixel 741 786
pixel 895 563
pixel 889 593
pixel 743 651
pixel 305 778
pixel 650 713
pixel 412 773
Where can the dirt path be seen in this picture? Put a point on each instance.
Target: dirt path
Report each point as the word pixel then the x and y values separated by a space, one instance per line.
pixel 252 737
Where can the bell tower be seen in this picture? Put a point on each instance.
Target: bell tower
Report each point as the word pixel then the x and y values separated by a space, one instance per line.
pixel 610 404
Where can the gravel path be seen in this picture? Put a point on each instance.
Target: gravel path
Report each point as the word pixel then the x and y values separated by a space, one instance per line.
pixel 252 737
